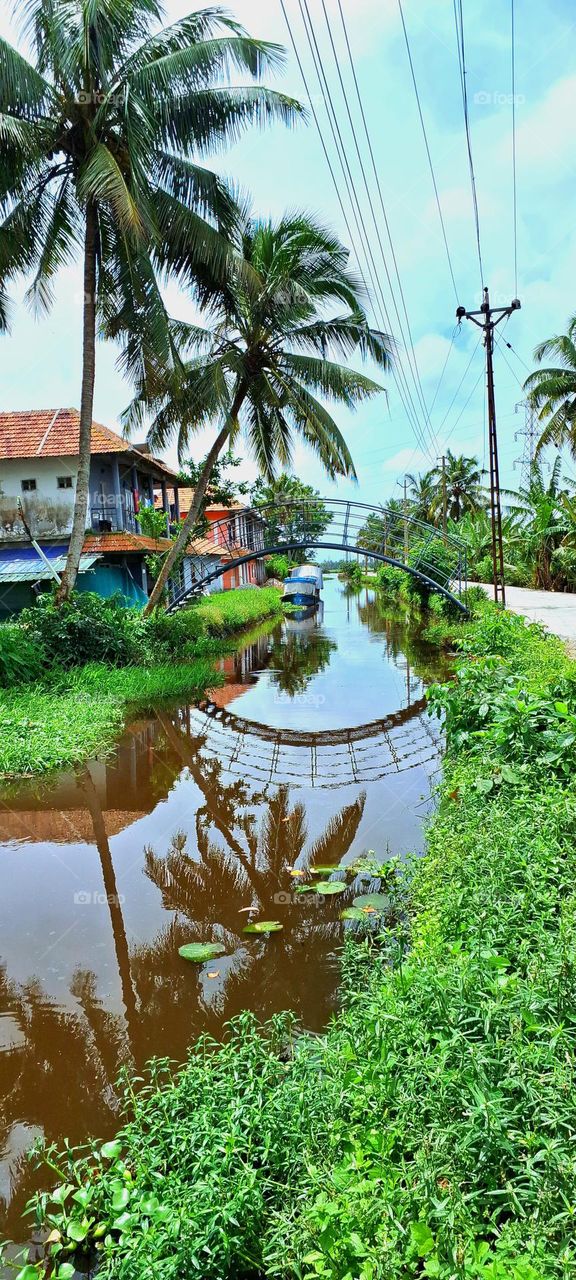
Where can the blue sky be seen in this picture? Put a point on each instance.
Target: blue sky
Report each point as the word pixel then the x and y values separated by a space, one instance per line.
pixel 283 169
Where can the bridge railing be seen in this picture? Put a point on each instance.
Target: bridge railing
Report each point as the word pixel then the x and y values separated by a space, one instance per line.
pixel 357 528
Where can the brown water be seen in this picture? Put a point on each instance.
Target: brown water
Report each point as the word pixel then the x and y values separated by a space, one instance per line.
pixel 317 749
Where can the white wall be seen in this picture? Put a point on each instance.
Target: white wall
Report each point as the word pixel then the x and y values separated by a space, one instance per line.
pixel 48 509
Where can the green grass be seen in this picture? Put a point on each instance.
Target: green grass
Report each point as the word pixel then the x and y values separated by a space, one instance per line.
pixel 229 611
pixel 74 714
pixel 44 728
pixel 431 1130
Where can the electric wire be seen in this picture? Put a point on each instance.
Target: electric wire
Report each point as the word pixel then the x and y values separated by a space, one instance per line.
pixel 514 189
pixel 398 371
pixel 460 385
pixel 460 42
pixel 427 145
pixel 501 345
pixel 445 365
pixel 464 407
pixel 379 190
pixel 352 193
pixel 408 406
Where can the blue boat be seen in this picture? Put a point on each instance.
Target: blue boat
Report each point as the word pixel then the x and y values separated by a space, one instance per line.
pixel 303 586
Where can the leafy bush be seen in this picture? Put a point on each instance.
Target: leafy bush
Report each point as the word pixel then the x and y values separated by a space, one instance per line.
pixel 86 628
pixel 279 566
pixel 435 560
pixel 22 657
pixel 166 635
pixel 352 573
pixel 390 580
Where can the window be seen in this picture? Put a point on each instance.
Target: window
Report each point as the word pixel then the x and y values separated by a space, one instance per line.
pixel 28 486
pixel 64 482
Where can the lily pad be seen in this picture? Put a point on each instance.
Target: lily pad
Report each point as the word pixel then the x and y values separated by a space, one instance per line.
pixel 263 926
pixel 352 913
pixel 201 951
pixel 320 870
pixel 379 901
pixel 328 887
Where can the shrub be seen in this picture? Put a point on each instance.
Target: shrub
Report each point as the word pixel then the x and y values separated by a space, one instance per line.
pixel 170 635
pixel 435 561
pixel 22 657
pixel 86 628
pixel 352 573
pixel 390 580
pixel 279 566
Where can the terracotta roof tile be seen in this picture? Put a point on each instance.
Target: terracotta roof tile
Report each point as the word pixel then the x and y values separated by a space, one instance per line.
pixel 101 543
pixel 54 433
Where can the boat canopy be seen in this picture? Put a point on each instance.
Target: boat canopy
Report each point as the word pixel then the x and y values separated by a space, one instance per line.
pixel 311 572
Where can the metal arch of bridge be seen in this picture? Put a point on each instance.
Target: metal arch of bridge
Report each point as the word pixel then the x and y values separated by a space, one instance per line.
pixel 393 538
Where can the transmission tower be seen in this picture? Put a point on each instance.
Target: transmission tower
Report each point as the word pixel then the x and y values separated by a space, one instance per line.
pixel 529 434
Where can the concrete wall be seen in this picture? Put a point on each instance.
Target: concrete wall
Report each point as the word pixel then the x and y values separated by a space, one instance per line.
pixel 49 509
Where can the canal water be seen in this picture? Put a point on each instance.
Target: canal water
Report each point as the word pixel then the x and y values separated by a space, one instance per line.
pixel 317 749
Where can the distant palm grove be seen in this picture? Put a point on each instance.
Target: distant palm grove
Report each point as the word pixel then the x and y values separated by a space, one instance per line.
pixel 539 519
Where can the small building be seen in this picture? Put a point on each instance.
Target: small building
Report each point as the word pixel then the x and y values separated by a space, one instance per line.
pixel 38 472
pixel 233 531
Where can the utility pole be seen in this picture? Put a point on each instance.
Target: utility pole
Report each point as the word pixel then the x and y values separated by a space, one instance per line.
pixel 489 318
pixel 405 519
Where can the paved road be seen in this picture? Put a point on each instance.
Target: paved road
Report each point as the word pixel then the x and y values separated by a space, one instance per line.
pixel 556 609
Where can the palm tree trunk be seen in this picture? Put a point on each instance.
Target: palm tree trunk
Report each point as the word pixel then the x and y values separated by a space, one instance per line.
pixel 191 520
pixel 86 408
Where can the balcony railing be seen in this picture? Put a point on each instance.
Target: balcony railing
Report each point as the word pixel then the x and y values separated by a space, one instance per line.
pixel 113 519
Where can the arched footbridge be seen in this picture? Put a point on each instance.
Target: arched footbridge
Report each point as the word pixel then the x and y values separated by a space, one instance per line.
pixel 435 559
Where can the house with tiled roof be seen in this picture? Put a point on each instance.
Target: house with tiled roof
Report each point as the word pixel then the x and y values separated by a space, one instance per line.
pixel 233 531
pixel 38 471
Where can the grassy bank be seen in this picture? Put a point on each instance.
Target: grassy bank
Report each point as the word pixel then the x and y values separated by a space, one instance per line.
pixel 431 1130
pixel 67 714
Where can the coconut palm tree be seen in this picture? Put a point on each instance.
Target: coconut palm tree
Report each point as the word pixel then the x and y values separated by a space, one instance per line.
pixel 538 506
pixel 101 142
pixel 463 480
pixel 423 495
pixel 260 365
pixel 552 391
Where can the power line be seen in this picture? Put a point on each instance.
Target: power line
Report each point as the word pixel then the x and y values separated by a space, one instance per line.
pixel 459 20
pixel 501 344
pixel 464 408
pixel 408 407
pixel 380 194
pixel 445 365
pixel 433 175
pixel 398 369
pixel 460 384
pixel 514 193
pixel 351 186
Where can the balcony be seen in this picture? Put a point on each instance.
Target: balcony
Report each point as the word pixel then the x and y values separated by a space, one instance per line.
pixel 114 516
